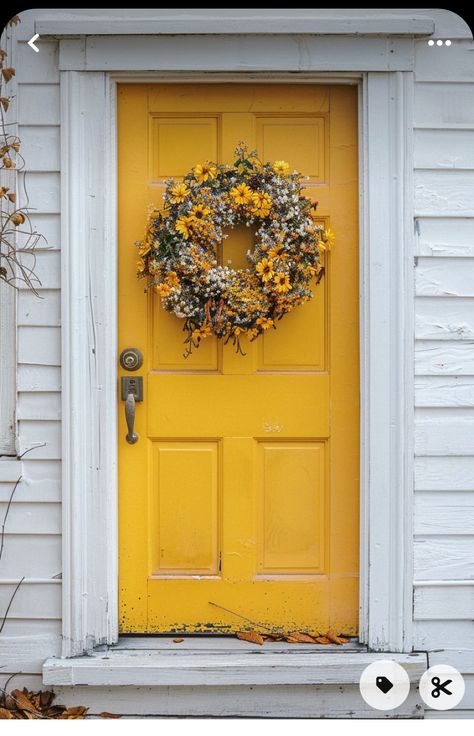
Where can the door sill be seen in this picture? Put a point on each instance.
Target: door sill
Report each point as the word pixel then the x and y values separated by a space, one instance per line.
pixel 220 661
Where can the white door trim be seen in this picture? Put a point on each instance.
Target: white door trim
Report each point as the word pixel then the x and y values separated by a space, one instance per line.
pixel 89 254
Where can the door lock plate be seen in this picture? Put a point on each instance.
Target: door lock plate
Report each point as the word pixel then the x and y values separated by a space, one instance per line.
pixel 132 385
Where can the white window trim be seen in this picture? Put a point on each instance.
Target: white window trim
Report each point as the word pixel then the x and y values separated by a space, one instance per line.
pixel 89 237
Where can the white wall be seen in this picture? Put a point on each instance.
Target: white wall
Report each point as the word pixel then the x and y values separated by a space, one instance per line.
pixel 444 367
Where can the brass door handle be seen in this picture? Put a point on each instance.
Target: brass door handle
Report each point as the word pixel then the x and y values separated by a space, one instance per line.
pixel 132 391
pixel 131 436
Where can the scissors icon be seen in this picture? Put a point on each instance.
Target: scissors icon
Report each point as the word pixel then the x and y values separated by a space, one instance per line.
pixel 438 686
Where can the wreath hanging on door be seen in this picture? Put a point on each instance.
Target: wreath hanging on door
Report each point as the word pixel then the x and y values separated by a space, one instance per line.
pixel 179 254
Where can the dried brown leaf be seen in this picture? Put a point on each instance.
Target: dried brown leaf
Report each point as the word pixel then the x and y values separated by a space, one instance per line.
pixel 77 710
pixel 178 640
pixel 252 636
pixel 5 102
pixel 3 55
pixel 22 700
pixel 333 638
pixel 12 197
pixel 300 637
pixel 14 21
pixel 5 714
pixel 104 714
pixel 322 640
pixel 8 73
pixel 46 698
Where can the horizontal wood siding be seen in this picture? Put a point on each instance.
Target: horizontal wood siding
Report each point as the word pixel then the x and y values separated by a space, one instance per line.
pixel 32 544
pixel 444 359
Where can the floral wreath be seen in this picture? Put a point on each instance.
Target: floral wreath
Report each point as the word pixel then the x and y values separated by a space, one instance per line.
pixel 179 254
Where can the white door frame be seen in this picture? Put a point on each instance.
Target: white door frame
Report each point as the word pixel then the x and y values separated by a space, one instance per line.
pixel 89 346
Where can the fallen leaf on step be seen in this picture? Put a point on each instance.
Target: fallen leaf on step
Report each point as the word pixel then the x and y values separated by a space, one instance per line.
pixel 322 640
pixel 335 639
pixel 252 636
pixel 299 637
pixel 178 640
pixel 104 714
pixel 5 714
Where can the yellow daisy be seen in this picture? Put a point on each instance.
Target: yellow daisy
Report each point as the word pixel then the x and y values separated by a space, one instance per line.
pixel 163 289
pixel 265 322
pixel 182 226
pixel 261 204
pixel 172 278
pixel 282 283
pixel 199 212
pixel 275 252
pixel 265 269
pixel 140 266
pixel 329 238
pixel 179 193
pixel 281 168
pixel 205 171
pixel 241 194
pixel 202 332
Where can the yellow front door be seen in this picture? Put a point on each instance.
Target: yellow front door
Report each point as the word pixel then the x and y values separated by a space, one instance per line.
pixel 242 489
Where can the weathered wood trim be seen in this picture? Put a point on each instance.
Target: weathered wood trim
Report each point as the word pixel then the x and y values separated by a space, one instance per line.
pixel 387 393
pixel 196 22
pixel 157 668
pixel 237 53
pixel 89 329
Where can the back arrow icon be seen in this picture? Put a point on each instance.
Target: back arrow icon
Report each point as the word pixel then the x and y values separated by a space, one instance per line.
pixel 31 42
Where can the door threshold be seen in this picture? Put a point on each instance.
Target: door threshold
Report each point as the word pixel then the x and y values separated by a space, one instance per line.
pixel 212 661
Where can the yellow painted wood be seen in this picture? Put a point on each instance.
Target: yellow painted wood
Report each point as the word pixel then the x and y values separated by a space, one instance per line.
pixel 243 488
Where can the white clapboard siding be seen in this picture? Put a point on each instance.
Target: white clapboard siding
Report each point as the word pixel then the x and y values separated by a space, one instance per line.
pixel 445 277
pixel 462 659
pixel 40 481
pixel 448 193
pixel 38 104
pixel 34 405
pixel 444 558
pixel 37 556
pixel 444 513
pixel 444 106
pixel 46 263
pixel 430 635
pixel 433 357
pixel 39 345
pixel 433 603
pixel 448 391
pixel 445 436
pixel 20 680
pixel 32 627
pixel 39 311
pixel 41 439
pixel 42 189
pixel 26 654
pixel 32 518
pixel 40 147
pixel 444 473
pixel 445 236
pixel 444 63
pixel 454 322
pixel 49 226
pixel 38 68
pixel 38 377
pixel 41 598
pixel 444 149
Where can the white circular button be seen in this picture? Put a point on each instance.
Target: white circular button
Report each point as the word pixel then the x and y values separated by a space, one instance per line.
pixel 384 684
pixel 442 687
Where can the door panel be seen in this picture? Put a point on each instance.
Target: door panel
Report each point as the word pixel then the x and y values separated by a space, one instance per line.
pixel 243 488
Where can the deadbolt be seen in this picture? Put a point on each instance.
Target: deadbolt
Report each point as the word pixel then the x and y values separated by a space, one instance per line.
pixel 131 359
